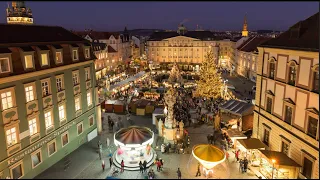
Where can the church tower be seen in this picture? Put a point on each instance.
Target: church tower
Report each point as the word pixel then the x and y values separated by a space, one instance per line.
pixel 19 13
pixel 245 27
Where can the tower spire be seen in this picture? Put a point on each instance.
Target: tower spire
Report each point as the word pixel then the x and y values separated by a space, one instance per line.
pixel 245 27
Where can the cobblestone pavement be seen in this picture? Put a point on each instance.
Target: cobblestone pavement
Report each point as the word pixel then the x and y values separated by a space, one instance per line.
pixel 85 162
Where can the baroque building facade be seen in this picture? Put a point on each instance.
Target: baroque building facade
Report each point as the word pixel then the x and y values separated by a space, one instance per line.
pixel 18 13
pixel 286 115
pixel 48 97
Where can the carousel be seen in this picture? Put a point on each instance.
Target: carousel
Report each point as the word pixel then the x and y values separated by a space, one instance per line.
pixel 212 160
pixel 134 145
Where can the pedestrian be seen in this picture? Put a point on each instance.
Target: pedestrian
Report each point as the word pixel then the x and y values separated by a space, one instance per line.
pixel 122 166
pixel 144 166
pixel 198 171
pixel 161 161
pixel 141 167
pixel 227 156
pixel 245 164
pixel 110 161
pixel 108 142
pixel 100 152
pixel 103 165
pixel 179 173
pixel 237 155
pixel 158 163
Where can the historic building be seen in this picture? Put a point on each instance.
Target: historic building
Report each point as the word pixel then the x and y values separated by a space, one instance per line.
pixel 245 31
pixel 19 13
pixel 48 97
pixel 247 56
pixel 286 115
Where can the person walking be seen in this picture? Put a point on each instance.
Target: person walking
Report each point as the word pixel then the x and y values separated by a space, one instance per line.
pixel 179 173
pixel 141 167
pixel 122 166
pixel 144 166
pixel 161 161
pixel 100 152
pixel 103 165
pixel 110 161
pixel 158 163
pixel 198 170
pixel 237 155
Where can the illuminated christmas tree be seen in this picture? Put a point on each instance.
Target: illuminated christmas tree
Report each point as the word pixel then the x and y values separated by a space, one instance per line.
pixel 209 84
pixel 175 75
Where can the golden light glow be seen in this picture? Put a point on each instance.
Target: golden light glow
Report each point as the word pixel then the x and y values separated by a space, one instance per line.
pixel 273 161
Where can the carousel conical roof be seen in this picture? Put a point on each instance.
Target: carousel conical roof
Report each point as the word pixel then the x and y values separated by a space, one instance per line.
pixel 133 135
pixel 208 152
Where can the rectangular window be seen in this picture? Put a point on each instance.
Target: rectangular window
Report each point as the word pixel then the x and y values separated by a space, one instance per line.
pixel 266 137
pixel 45 88
pixel 29 93
pixel 87 74
pixel 4 65
pixel 269 104
pixel 91 121
pixel 75 54
pixel 62 115
pixel 315 82
pixel 58 57
pixel 77 104
pixel 17 172
pixel 44 59
pixel 80 128
pixel 65 139
pixel 75 78
pixel 33 126
pixel 285 148
pixel 292 75
pixel 36 158
pixel 28 61
pixel 307 168
pixel 89 100
pixel 6 100
pixel 48 120
pixel 288 114
pixel 272 70
pixel 59 84
pixel 11 136
pixel 52 148
pixel 312 127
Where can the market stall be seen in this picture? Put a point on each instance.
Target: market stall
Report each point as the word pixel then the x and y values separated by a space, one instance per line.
pixel 234 135
pixel 118 107
pixel 134 145
pixel 157 112
pixel 277 165
pixel 239 110
pixel 250 148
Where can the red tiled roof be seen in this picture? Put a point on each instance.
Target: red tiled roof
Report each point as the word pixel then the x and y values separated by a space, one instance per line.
pixel 252 43
pixel 111 50
pixel 304 35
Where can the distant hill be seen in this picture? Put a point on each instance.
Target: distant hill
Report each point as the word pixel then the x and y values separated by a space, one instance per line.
pixel 266 31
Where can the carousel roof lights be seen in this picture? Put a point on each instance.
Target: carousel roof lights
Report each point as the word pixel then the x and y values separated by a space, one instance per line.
pixel 208 155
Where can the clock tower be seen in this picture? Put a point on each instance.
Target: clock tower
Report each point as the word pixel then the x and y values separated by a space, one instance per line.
pixel 245 27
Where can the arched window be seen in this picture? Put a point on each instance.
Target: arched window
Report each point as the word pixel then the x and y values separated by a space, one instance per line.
pixel 292 73
pixel 315 79
pixel 272 68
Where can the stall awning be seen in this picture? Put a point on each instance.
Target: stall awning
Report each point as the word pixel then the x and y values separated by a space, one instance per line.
pixel 236 107
pixel 236 134
pixel 252 143
pixel 280 157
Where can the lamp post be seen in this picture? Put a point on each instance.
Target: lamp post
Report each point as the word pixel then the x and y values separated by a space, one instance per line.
pixel 150 66
pixel 225 88
pixel 273 162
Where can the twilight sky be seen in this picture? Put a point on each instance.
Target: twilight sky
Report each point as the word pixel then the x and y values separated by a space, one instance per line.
pixel 113 16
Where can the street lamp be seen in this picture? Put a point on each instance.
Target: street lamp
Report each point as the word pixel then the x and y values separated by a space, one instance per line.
pixel 150 66
pixel 273 162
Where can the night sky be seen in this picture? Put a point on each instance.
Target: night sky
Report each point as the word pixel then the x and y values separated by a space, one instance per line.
pixel 113 16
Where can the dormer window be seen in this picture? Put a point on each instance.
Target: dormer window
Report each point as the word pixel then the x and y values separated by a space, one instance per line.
pixel 4 65
pixel 28 61
pixel 44 59
pixel 87 53
pixel 58 57
pixel 75 55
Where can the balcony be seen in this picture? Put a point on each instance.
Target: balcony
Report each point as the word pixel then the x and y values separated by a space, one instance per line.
pixel 9 115
pixel 47 102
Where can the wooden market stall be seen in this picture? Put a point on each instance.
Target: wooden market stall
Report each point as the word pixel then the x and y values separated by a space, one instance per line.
pixel 118 107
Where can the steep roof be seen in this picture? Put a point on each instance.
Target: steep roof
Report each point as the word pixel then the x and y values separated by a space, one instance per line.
pixel 237 107
pixel 304 35
pixel 16 34
pixel 202 35
pixel 96 35
pixel 111 50
pixel 98 46
pixel 251 44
